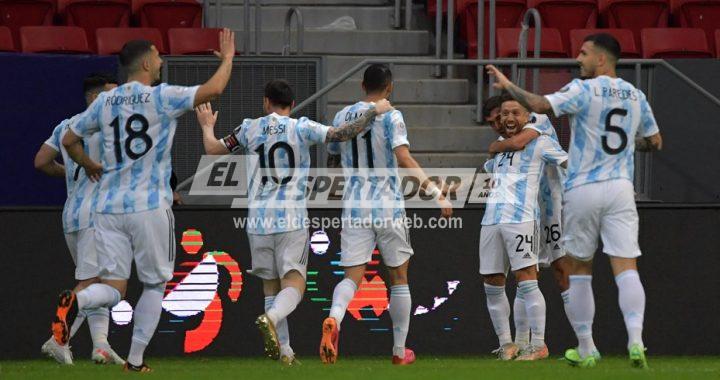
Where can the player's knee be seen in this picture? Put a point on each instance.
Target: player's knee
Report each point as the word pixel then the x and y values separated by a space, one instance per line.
pixel 271 287
pixel 82 284
pixel 497 279
pixel 526 274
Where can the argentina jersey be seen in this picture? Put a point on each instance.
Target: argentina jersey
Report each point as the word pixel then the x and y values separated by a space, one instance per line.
pixel 551 182
pixel 278 165
pixel 515 181
pixel 81 192
pixel 605 115
pixel 137 125
pixel 370 167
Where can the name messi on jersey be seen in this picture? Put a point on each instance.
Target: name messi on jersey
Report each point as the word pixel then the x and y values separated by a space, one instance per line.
pixel 130 100
pixel 274 129
pixel 608 92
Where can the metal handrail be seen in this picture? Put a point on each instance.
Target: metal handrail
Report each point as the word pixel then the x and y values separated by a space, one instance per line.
pixel 218 13
pixel 246 37
pixel 258 26
pixel 286 31
pixel 522 47
pixel 437 72
pixel 481 49
pixel 540 62
pixel 408 14
pixel 450 36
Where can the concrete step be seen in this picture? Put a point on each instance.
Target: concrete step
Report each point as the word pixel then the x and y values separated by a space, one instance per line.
pixel 451 139
pixel 450 160
pixel 390 42
pixel 273 17
pixel 426 115
pixel 423 91
pixel 337 65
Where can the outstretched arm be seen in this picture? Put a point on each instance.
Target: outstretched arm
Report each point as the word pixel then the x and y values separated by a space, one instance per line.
pixel 406 161
pixel 351 129
pixel 533 102
pixel 207 120
pixel 214 87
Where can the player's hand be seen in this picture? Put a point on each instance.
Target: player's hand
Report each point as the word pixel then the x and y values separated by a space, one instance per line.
pixel 446 209
pixel 501 81
pixel 226 38
pixel 93 170
pixel 382 106
pixel 205 116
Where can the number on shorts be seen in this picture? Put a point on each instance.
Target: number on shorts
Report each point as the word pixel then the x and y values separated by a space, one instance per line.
pixel 552 233
pixel 527 239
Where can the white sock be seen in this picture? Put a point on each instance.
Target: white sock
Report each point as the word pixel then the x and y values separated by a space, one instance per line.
pixel 285 302
pixel 499 310
pixel 281 327
pixel 581 312
pixel 400 305
pixel 147 315
pixel 535 308
pixel 97 295
pixel 79 319
pixel 522 328
pixel 342 295
pixel 98 320
pixel 631 297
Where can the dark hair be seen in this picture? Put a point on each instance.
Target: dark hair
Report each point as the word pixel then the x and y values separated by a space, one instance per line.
pixel 606 42
pixel 279 93
pixel 491 103
pixel 95 82
pixel 376 78
pixel 134 50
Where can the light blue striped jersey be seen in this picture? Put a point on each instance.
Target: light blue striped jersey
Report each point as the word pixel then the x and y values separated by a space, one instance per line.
pixel 79 206
pixel 605 115
pixel 551 182
pixel 516 177
pixel 137 124
pixel 279 147
pixel 370 167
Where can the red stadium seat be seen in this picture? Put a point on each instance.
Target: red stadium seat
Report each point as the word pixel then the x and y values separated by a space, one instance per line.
pixel 636 15
pixel 508 14
pixel 93 14
pixel 551 45
pixel 566 15
pixel 624 37
pixel 704 14
pixel 459 5
pixel 193 41
pixel 111 40
pixel 6 41
pixel 17 13
pixel 675 43
pixel 54 39
pixel 164 14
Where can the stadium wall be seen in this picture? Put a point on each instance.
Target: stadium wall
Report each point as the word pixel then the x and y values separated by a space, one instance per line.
pixel 678 269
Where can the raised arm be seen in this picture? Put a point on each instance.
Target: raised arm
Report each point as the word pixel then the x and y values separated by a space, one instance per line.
pixel 74 147
pixel 45 162
pixel 351 129
pixel 207 120
pixel 533 102
pixel 215 86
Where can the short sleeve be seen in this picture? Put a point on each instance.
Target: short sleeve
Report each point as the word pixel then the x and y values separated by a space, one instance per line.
pixel 571 99
pixel 238 138
pixel 552 152
pixel 88 122
pixel 541 124
pixel 311 132
pixel 54 140
pixel 398 131
pixel 334 147
pixel 648 125
pixel 176 100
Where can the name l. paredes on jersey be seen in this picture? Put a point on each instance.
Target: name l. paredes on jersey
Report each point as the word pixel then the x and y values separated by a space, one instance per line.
pixel 130 100
pixel 609 92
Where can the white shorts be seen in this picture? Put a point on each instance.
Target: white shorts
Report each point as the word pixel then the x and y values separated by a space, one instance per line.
pixel 82 250
pixel 274 255
pixel 392 240
pixel 606 209
pixel 504 246
pixel 147 237
pixel 549 244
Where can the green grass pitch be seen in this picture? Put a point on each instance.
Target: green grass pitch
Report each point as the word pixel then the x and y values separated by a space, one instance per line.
pixel 446 368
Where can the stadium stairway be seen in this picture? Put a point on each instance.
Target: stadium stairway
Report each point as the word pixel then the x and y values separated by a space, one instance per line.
pixel 439 112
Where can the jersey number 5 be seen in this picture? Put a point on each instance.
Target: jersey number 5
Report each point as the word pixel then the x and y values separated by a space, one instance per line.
pixel 614 129
pixel 132 135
